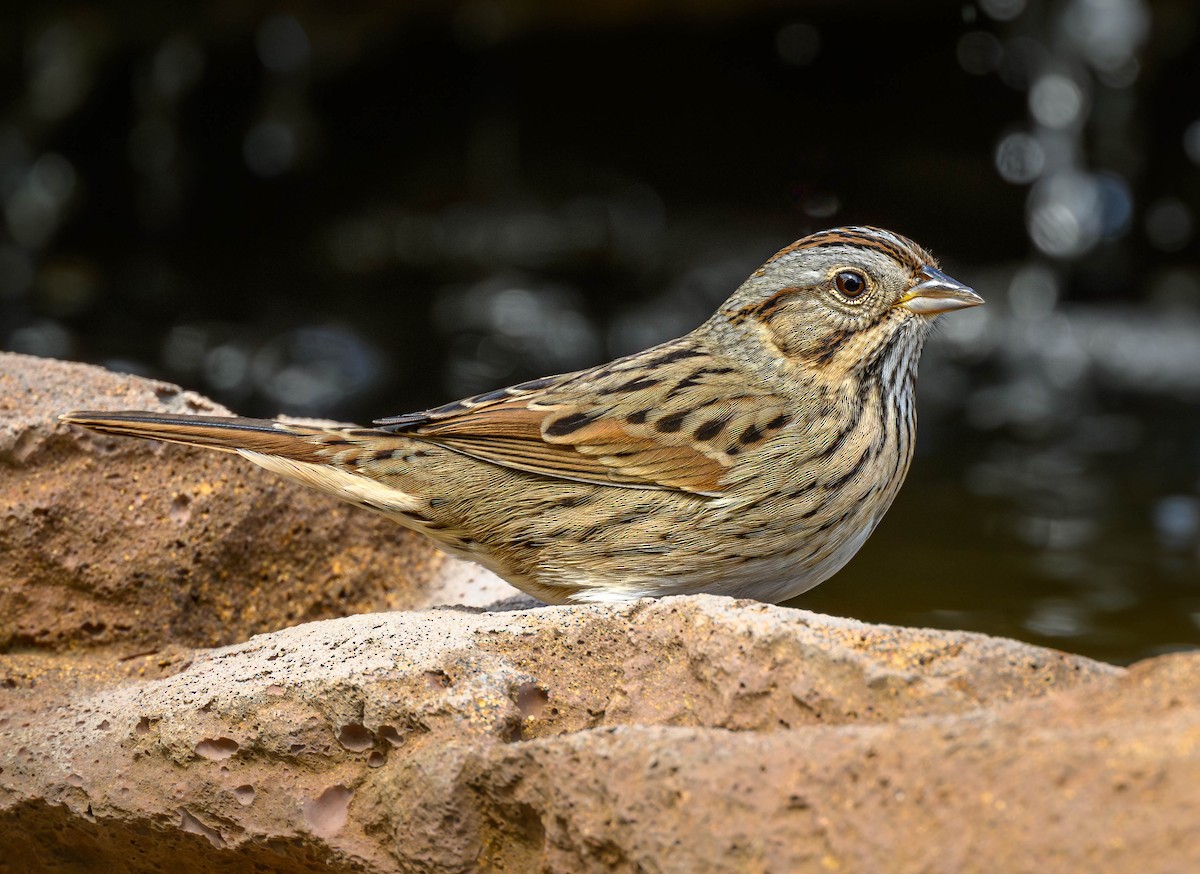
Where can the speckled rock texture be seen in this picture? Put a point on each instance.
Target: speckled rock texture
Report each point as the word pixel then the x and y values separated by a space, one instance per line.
pixel 689 734
pixel 692 734
pixel 115 541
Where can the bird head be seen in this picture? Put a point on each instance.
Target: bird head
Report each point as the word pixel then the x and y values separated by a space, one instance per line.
pixel 839 296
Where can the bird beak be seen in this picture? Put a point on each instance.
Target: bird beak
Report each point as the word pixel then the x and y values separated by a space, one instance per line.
pixel 938 293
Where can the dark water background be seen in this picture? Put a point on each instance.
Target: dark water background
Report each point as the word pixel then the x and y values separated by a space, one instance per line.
pixel 352 210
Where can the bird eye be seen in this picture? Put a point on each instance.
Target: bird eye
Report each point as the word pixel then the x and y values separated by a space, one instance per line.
pixel 850 284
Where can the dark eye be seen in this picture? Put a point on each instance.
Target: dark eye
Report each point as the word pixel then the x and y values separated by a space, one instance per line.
pixel 850 284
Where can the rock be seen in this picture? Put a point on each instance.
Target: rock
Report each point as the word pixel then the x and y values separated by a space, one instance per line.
pixel 687 734
pixel 1100 778
pixel 139 544
pixel 684 734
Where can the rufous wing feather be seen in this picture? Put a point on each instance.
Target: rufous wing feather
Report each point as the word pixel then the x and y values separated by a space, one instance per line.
pixel 635 423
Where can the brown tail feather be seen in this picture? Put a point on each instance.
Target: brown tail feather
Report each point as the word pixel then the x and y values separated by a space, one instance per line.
pixel 226 433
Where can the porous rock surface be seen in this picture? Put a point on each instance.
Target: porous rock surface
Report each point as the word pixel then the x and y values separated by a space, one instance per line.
pixel 688 734
pixel 112 540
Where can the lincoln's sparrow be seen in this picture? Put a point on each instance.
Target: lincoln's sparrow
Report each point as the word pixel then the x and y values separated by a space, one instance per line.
pixel 752 457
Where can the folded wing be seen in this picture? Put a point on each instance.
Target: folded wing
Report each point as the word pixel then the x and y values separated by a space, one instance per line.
pixel 673 417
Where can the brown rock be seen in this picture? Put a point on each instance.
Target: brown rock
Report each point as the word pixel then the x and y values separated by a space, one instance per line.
pixel 576 739
pixel 141 544
pixel 1102 778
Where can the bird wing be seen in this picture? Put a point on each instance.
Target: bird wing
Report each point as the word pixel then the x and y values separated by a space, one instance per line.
pixel 674 417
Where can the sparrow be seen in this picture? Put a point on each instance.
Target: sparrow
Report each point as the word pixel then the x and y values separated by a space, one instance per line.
pixel 752 457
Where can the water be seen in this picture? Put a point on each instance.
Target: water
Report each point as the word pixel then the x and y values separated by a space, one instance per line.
pixel 353 216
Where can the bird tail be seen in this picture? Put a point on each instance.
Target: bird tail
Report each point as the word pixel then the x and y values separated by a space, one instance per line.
pixel 224 433
pixel 328 458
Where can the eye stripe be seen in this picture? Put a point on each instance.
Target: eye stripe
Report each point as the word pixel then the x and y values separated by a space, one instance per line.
pixel 763 310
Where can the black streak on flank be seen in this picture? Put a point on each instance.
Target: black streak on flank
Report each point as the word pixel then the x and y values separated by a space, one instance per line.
pixel 592 532
pixel 637 417
pixel 637 514
pixel 837 442
pixel 778 422
pixel 836 520
pixel 834 485
pixel 567 424
pixel 671 423
pixel 571 501
pixel 801 491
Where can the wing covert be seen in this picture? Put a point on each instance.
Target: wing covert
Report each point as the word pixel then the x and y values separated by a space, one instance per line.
pixel 672 417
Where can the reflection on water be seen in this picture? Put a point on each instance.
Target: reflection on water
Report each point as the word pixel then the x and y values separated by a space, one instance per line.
pixel 350 215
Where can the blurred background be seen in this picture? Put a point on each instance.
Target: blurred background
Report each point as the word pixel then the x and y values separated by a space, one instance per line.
pixel 360 212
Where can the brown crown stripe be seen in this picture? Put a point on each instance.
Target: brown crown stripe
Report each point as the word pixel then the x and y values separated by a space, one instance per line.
pixel 901 248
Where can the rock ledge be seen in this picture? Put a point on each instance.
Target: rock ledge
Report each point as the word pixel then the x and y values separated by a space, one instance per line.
pixel 146 724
